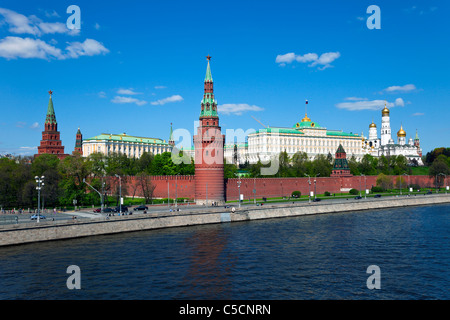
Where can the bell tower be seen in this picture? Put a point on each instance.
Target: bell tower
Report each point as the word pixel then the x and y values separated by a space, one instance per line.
pixel 209 144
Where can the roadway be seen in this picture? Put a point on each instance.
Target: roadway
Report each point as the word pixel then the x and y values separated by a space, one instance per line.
pixel 156 210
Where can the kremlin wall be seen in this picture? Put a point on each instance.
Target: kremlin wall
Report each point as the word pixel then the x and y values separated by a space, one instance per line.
pixel 184 186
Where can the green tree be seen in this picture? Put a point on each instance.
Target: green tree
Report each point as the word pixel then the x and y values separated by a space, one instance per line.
pixel 384 181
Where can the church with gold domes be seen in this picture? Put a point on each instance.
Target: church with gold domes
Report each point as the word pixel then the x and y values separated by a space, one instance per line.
pixel 386 146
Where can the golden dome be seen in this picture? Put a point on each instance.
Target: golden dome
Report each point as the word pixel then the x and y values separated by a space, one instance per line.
pixel 372 125
pixel 401 132
pixel 306 119
pixel 385 111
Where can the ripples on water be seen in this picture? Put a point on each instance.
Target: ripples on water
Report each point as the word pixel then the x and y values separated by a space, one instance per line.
pixel 311 257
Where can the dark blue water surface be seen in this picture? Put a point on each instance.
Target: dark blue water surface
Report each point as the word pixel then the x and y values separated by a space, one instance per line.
pixel 309 257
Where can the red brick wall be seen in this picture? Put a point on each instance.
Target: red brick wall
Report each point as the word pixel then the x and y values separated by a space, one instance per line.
pixel 184 186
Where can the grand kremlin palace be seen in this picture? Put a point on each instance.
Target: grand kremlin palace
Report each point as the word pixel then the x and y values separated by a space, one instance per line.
pixel 108 144
pixel 305 136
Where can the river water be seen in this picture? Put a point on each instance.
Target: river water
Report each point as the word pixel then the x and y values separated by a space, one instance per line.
pixel 308 257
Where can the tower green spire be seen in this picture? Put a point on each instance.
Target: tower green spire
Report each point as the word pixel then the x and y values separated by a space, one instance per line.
pixel 209 104
pixel 51 117
pixel 208 76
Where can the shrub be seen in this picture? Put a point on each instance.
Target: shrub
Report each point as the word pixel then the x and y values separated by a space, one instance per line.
pixel 296 194
pixel 326 194
pixel 353 192
pixel 377 189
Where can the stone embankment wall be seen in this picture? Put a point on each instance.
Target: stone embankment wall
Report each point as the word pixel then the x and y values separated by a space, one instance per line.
pixel 47 231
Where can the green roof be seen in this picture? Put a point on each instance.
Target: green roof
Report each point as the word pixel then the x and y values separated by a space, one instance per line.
pixel 51 117
pixel 208 76
pixel 307 124
pixel 341 133
pixel 125 138
pixel 279 130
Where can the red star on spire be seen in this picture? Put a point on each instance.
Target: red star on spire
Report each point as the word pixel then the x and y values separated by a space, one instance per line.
pixel 51 92
pixel 208 57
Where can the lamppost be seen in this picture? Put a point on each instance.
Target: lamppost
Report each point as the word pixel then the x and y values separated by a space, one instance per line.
pixel 176 190
pixel 315 186
pixel 40 183
pixel 445 178
pixel 309 189
pixel 101 196
pixel 365 187
pixel 404 174
pixel 120 192
pixel 239 190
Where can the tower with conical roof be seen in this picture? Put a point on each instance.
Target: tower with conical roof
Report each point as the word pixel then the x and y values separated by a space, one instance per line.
pixel 171 141
pixel 340 166
pixel 209 145
pixel 78 143
pixel 51 142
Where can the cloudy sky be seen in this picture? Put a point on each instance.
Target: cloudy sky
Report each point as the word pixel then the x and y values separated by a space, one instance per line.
pixel 137 67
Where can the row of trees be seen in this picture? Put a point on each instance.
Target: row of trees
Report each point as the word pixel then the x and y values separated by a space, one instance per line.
pixel 64 179
pixel 300 165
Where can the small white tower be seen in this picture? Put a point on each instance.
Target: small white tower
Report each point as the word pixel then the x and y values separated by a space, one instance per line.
pixel 386 137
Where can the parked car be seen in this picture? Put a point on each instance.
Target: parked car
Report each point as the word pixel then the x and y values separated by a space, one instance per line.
pixel 35 216
pixel 358 197
pixel 140 208
pixel 98 210
pixel 377 196
pixel 429 192
pixel 108 210
pixel 316 199
pixel 124 209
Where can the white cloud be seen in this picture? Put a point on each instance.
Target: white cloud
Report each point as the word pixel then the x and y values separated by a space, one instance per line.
pixel 102 94
pixel 129 92
pixel 18 23
pixel 13 47
pixel 34 125
pixel 365 104
pixel 405 88
pixel 418 114
pixel 285 58
pixel 323 61
pixel 399 102
pixel 16 47
pixel 89 47
pixel 97 26
pixel 49 14
pixel 123 100
pixel 160 87
pixel 237 108
pixel 27 48
pixel 174 98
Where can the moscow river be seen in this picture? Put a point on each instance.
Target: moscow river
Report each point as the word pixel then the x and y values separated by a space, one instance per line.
pixel 307 257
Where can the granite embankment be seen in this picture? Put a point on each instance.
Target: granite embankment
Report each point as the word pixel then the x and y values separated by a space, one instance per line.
pixel 58 230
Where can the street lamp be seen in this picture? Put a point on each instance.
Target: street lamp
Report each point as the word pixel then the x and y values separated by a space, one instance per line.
pixel 120 191
pixel 365 186
pixel 101 196
pixel 176 190
pixel 309 189
pixel 445 178
pixel 404 174
pixel 315 186
pixel 40 183
pixel 239 189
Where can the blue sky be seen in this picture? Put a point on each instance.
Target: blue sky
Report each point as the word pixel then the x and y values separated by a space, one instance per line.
pixel 137 66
